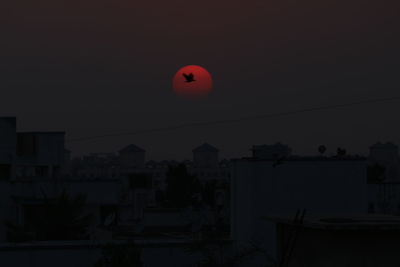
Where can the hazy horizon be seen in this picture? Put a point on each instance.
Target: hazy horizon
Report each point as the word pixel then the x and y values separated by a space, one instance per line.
pixel 93 68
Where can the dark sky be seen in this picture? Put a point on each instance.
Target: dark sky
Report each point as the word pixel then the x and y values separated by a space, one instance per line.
pixel 100 67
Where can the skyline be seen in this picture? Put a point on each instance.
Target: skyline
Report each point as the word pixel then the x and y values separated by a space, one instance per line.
pixel 199 133
pixel 102 67
pixel 160 131
pixel 328 152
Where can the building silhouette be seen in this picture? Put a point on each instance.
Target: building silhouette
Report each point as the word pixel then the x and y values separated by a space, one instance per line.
pixel 241 201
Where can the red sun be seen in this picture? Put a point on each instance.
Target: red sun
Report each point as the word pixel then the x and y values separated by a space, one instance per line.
pixel 192 81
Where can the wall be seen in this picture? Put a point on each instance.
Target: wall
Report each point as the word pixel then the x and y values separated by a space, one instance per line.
pixel 85 254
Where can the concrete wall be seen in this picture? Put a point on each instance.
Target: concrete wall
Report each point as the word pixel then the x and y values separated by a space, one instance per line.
pixel 164 254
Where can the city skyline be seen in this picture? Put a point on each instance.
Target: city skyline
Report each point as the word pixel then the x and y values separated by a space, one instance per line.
pixel 103 68
pixel 207 133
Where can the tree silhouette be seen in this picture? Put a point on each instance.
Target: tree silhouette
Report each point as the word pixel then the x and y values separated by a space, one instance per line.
pixel 376 173
pixel 208 192
pixel 181 186
pixel 322 149
pixel 341 152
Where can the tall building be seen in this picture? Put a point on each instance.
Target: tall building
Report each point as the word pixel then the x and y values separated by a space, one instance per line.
pixel 26 160
pixel 266 187
pixel 384 179
pixel 29 154
pixel 387 156
pixel 8 144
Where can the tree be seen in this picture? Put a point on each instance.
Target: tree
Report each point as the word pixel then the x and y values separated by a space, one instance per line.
pixel 322 149
pixel 209 192
pixel 181 187
pixel 341 152
pixel 376 173
pixel 61 218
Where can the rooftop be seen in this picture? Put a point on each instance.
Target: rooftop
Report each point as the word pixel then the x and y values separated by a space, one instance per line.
pixel 384 145
pixel 363 222
pixel 307 158
pixel 42 132
pixel 205 148
pixel 131 148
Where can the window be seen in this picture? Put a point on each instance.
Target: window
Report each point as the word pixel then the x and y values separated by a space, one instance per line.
pixel 140 204
pixel 5 171
pixel 140 181
pixel 41 171
pixel 371 207
pixel 56 171
pixel 26 144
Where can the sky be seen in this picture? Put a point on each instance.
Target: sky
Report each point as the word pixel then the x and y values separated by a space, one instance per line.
pixel 102 67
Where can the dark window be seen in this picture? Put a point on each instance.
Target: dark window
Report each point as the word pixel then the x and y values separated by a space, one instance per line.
pixel 371 207
pixel 376 173
pixel 140 181
pixel 26 144
pixel 5 171
pixel 41 171
pixel 160 196
pixel 56 171
pixel 31 213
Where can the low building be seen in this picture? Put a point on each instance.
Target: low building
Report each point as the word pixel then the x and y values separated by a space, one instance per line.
pixel 338 241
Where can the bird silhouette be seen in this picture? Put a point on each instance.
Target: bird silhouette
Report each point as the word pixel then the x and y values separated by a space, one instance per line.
pixel 189 77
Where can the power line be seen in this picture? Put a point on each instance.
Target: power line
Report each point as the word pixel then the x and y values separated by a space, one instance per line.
pixel 226 121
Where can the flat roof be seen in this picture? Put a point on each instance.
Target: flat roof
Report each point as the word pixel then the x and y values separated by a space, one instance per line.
pixel 361 222
pixel 304 158
pixel 41 132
